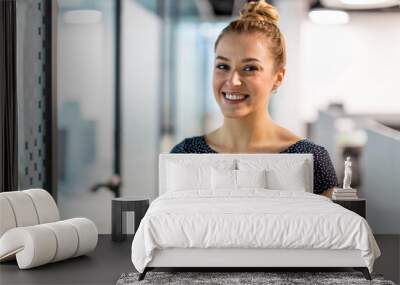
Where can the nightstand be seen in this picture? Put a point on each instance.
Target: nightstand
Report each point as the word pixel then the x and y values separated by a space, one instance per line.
pixel 358 206
pixel 138 205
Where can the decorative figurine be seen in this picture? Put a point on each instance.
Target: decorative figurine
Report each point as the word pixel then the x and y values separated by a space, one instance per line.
pixel 347 174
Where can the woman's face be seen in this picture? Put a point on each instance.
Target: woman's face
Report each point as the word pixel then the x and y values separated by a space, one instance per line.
pixel 244 74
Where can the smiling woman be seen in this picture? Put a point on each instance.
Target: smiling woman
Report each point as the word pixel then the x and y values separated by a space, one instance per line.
pixel 244 73
pixel 250 58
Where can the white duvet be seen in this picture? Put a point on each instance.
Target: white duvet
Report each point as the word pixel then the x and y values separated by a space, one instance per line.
pixel 251 218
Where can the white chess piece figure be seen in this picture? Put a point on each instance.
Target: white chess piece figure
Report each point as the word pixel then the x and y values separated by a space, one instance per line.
pixel 347 174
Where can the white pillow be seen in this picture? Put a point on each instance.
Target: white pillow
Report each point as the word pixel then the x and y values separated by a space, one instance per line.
pixel 236 179
pixel 223 179
pixel 283 173
pixel 251 178
pixel 182 177
pixel 292 178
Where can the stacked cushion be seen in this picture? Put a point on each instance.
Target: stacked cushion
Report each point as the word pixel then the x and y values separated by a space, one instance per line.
pixel 26 208
pixel 31 232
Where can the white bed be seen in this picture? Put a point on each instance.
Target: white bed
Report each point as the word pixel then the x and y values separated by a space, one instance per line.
pixel 203 220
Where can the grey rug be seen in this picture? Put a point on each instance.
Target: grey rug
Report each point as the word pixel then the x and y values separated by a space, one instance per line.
pixel 229 278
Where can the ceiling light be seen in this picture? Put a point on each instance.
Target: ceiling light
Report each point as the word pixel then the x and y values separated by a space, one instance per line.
pixel 329 17
pixel 360 4
pixel 82 16
pixel 365 2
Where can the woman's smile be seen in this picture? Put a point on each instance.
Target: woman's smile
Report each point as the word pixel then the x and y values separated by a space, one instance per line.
pixel 233 98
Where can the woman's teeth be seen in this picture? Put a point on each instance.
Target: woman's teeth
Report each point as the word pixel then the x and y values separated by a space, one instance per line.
pixel 234 97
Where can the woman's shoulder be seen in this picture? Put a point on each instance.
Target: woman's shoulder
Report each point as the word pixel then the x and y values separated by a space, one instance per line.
pixel 321 156
pixel 324 171
pixel 194 144
pixel 305 145
pixel 308 146
pixel 296 143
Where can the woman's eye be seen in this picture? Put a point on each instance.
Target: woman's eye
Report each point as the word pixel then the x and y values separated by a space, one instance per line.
pixel 250 68
pixel 222 66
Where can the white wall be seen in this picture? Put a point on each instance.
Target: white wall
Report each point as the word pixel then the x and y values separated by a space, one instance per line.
pixel 284 105
pixel 357 64
pixel 140 99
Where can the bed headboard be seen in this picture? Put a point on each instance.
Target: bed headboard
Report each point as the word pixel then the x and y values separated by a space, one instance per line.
pixel 274 160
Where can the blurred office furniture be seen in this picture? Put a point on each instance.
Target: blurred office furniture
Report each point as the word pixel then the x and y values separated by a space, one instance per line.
pixel 381 178
pixel 373 143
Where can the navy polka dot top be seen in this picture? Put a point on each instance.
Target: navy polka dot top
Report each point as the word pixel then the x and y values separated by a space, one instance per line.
pixel 324 173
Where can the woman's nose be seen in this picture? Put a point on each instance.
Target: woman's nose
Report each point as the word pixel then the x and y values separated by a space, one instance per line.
pixel 234 79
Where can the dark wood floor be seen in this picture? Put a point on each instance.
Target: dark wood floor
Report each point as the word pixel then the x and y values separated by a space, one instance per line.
pixel 110 260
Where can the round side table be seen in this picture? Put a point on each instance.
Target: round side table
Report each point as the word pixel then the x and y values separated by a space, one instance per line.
pixel 139 205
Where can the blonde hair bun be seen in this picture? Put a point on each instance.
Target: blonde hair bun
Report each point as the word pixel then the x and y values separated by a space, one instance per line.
pixel 259 11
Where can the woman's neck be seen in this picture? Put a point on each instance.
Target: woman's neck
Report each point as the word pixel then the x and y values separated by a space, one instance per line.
pixel 247 133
